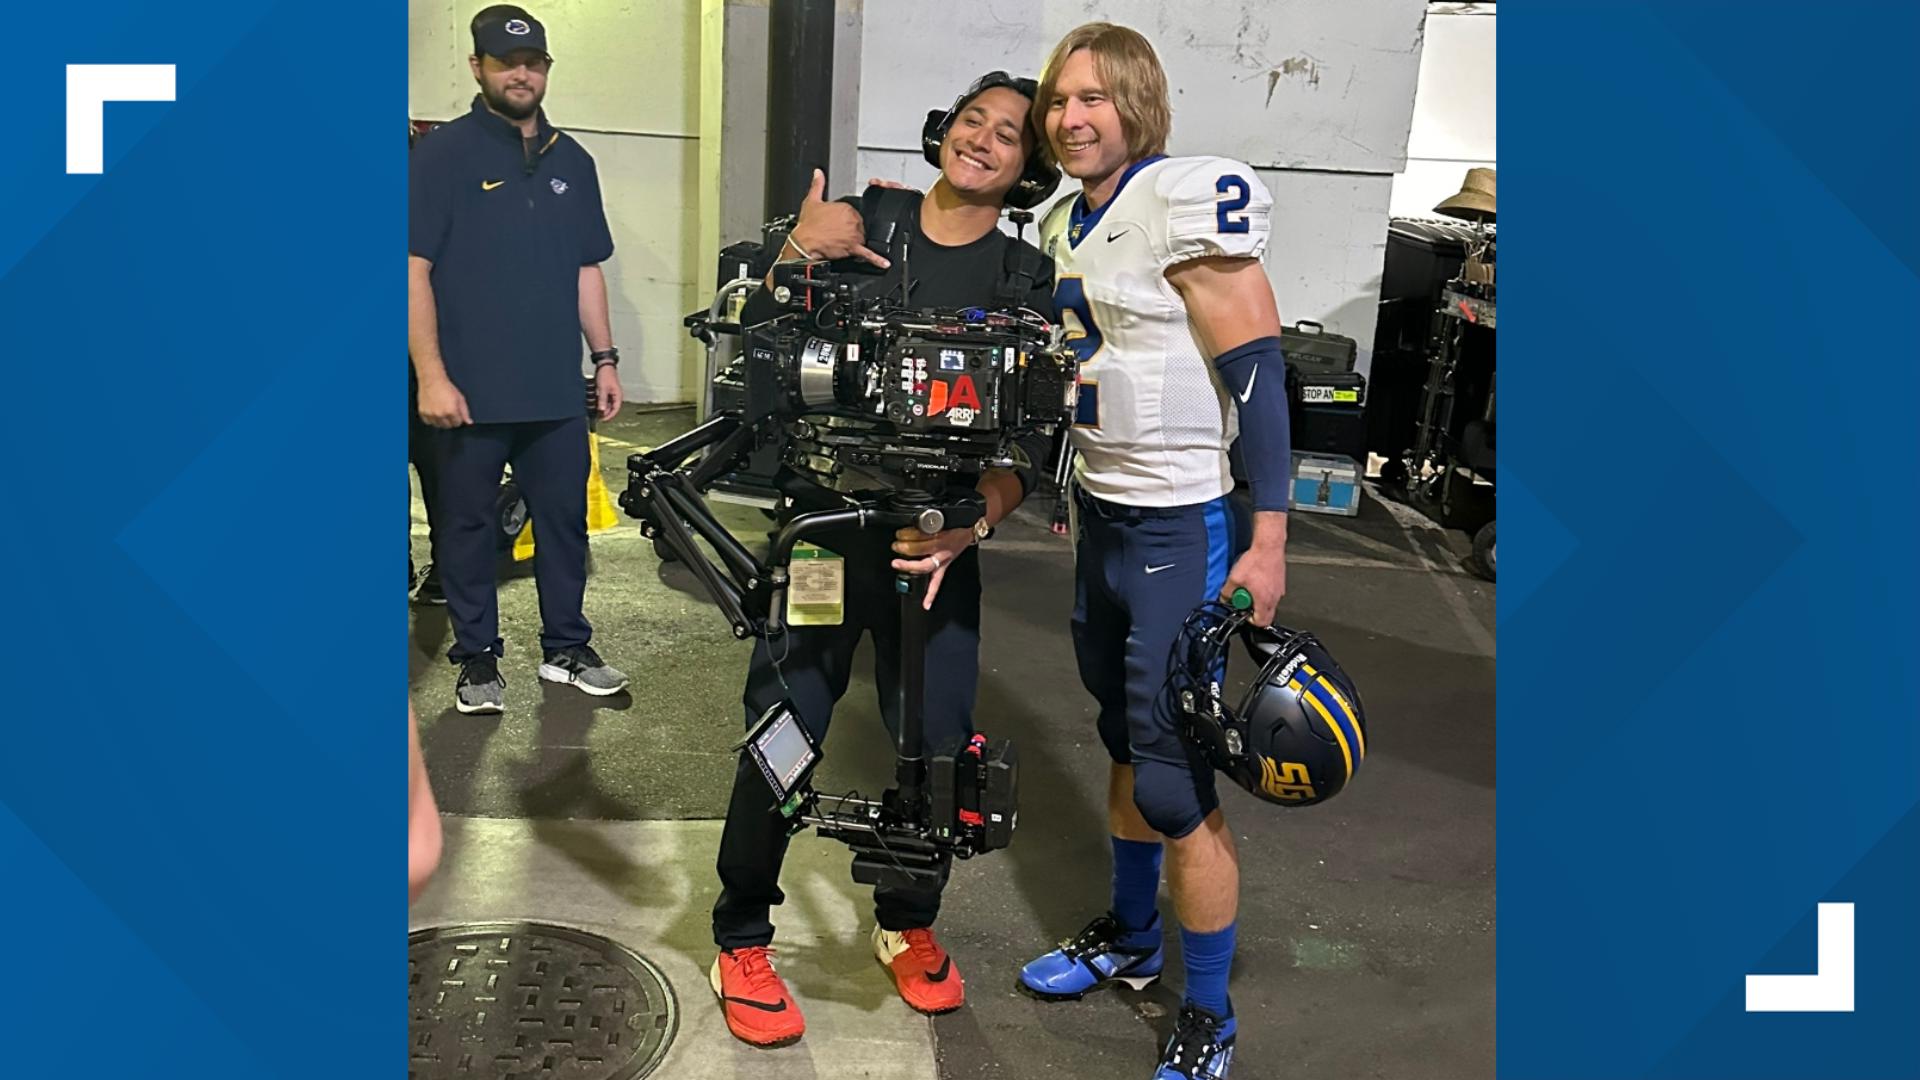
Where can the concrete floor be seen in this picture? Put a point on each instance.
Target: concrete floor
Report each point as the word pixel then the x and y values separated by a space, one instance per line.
pixel 1366 929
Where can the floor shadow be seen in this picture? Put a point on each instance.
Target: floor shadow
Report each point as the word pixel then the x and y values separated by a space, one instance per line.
pixel 454 746
pixel 430 632
pixel 558 782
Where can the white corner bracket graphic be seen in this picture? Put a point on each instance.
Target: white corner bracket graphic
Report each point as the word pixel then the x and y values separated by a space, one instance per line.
pixel 1829 988
pixel 89 88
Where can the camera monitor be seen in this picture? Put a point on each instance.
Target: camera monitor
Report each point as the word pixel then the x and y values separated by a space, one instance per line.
pixel 783 749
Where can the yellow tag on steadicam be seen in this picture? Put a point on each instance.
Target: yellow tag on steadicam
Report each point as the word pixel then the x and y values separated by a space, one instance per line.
pixel 816 587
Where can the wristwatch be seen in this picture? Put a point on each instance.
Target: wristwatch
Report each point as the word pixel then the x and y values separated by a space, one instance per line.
pixel 605 358
pixel 981 530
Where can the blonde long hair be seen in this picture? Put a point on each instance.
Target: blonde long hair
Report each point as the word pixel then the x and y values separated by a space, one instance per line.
pixel 1130 69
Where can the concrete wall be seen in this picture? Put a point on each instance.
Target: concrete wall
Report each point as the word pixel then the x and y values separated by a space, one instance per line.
pixel 625 83
pixel 743 179
pixel 1317 96
pixel 1453 113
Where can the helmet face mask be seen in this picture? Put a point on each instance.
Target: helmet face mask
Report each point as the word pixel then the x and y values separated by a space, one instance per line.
pixel 1297 734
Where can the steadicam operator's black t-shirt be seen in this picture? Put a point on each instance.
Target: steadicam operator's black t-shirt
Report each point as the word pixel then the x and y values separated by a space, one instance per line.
pixel 940 276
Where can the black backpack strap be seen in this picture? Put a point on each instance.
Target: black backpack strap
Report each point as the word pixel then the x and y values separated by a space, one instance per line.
pixel 892 215
pixel 1021 269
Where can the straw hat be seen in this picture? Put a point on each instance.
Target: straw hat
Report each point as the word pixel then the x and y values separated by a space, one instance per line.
pixel 1474 202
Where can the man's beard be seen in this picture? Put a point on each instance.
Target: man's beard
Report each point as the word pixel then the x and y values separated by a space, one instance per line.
pixel 499 102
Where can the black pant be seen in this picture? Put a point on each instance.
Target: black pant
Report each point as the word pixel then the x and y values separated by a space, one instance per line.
pixel 550 461
pixel 816 663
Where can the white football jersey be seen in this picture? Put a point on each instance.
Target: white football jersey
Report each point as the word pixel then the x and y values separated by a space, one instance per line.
pixel 1155 420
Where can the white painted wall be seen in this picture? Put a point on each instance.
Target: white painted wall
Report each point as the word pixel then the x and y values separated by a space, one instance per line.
pixel 1453 112
pixel 625 83
pixel 1316 95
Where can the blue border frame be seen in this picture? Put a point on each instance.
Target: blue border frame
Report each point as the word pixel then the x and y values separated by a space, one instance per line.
pixel 1707 713
pixel 201 777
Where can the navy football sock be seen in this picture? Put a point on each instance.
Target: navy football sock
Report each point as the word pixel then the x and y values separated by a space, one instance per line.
pixel 1209 958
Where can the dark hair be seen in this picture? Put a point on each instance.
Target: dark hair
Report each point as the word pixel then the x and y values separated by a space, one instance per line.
pixel 1000 80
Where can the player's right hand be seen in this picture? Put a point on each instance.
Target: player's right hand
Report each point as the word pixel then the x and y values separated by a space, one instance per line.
pixel 832 230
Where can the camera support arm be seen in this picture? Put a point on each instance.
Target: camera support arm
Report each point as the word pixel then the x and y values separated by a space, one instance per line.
pixel 665 495
pixel 667 502
pixel 664 492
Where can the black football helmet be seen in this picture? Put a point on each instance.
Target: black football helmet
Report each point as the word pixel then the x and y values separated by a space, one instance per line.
pixel 1297 736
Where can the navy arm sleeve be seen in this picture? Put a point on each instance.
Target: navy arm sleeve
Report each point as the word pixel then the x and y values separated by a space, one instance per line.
pixel 1256 376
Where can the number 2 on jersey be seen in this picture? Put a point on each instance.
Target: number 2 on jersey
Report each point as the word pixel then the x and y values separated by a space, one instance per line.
pixel 1070 294
pixel 1230 222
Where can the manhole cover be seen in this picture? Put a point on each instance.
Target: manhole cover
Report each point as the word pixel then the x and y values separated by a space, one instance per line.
pixel 529 1001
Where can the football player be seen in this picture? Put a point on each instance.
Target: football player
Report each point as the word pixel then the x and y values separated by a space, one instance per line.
pixel 1159 279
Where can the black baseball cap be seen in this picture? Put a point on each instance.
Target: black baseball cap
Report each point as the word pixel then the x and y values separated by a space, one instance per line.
pixel 504 29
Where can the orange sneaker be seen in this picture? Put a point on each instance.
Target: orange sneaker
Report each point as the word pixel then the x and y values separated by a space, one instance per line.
pixel 922 970
pixel 758 1008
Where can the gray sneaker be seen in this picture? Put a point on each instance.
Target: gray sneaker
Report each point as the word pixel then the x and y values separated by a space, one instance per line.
pixel 582 667
pixel 481 689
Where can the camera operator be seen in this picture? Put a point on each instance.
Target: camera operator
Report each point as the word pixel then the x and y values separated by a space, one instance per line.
pixel 945 250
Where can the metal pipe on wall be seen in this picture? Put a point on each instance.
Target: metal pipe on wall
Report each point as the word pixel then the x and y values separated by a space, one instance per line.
pixel 799 99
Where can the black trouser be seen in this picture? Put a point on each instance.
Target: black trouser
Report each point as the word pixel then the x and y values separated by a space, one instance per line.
pixel 550 462
pixel 816 664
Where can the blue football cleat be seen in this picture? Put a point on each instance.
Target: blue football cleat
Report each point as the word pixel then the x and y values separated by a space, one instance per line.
pixel 1201 1047
pixel 1096 955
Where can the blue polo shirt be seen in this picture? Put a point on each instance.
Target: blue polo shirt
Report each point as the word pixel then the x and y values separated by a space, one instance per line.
pixel 507 223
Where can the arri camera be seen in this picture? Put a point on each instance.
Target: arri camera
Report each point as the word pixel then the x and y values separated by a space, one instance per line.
pixel 883 404
pixel 868 392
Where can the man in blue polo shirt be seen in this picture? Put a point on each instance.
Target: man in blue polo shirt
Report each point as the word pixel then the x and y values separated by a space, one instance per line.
pixel 506 238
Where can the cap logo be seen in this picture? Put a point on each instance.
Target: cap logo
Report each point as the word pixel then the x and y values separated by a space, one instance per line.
pixel 518 27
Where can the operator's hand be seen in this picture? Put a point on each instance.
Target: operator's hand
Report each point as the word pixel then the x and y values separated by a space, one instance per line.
pixel 930 554
pixel 1262 571
pixel 442 405
pixel 606 390
pixel 832 230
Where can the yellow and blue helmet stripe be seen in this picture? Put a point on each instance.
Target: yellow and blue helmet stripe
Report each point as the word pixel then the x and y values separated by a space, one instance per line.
pixel 1320 695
